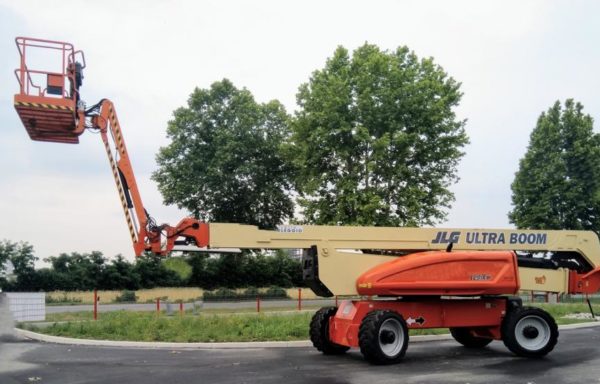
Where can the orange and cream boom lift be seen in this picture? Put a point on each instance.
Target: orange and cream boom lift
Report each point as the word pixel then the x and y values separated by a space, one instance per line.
pixel 400 278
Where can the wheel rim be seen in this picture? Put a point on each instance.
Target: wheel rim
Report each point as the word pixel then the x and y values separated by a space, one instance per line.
pixel 532 333
pixel 391 337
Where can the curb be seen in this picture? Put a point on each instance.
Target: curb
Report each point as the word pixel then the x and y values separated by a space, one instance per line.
pixel 239 345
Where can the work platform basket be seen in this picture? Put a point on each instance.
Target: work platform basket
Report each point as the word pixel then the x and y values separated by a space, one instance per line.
pixel 49 76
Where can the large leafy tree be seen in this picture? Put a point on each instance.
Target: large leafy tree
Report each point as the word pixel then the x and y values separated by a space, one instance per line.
pixel 224 162
pixel 22 257
pixel 376 140
pixel 558 182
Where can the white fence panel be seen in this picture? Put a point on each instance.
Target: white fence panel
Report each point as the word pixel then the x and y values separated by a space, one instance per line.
pixel 26 306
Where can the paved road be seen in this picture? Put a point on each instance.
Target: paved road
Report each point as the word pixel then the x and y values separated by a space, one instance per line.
pixel 576 359
pixel 175 307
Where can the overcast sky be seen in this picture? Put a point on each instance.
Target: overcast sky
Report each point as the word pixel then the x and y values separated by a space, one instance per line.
pixel 513 58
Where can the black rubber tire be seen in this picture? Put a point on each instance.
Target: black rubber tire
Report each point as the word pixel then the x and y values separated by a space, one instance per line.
pixel 464 336
pixel 319 332
pixel 541 322
pixel 369 335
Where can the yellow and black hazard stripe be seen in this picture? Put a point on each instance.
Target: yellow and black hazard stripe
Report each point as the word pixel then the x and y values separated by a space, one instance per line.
pixel 118 135
pixel 42 105
pixel 115 171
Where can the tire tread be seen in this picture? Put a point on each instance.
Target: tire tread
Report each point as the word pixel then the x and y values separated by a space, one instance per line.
pixel 319 327
pixel 508 326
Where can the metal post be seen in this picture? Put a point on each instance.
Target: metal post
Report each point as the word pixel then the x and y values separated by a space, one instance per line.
pixel 299 299
pixel 587 298
pixel 336 300
pixel 95 304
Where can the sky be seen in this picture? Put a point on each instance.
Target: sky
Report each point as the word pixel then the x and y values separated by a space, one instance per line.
pixel 514 59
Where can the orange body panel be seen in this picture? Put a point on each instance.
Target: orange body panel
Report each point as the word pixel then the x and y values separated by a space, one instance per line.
pixel 484 316
pixel 443 273
pixel 584 283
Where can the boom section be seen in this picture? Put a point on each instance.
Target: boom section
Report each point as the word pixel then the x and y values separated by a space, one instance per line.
pixel 107 122
pixel 334 257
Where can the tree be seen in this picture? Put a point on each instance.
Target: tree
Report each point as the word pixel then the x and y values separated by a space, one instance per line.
pixel 23 260
pixel 376 140
pixel 224 162
pixel 153 273
pixel 558 182
pixel 120 274
pixel 78 271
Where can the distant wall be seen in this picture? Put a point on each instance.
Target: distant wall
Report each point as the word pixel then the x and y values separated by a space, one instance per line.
pixel 26 306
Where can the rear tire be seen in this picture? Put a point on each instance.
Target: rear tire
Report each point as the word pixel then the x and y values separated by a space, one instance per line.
pixel 464 336
pixel 319 332
pixel 529 332
pixel 383 337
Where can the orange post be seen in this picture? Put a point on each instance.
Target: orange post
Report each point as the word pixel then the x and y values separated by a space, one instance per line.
pixel 158 305
pixel 95 304
pixel 299 299
pixel 257 303
pixel 181 308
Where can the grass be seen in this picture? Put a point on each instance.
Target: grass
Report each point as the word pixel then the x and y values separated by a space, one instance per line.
pixel 558 311
pixel 220 325
pixel 144 295
pixel 139 326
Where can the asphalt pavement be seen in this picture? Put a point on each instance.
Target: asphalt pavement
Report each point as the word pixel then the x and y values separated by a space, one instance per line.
pixel 576 359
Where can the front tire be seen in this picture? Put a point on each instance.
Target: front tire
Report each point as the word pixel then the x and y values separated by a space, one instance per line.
pixel 319 332
pixel 383 337
pixel 529 332
pixel 464 336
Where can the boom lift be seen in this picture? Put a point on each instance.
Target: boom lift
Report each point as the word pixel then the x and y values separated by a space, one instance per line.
pixel 56 113
pixel 405 278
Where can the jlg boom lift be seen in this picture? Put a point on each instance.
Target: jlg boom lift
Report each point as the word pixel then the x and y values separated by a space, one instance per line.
pixel 405 278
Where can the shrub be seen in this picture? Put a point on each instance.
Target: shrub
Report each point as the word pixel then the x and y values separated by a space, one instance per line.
pixel 62 300
pixel 126 297
pixel 251 292
pixel 275 293
pixel 220 294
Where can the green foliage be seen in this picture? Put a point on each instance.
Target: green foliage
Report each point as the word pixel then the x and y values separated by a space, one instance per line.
pixel 153 272
pixel 65 299
pixel 23 260
pixel 221 294
pixel 179 266
pixel 120 274
pixel 245 269
pixel 76 270
pixel 224 162
pixel 138 326
pixel 376 140
pixel 126 297
pixel 558 182
pixel 276 292
pixel 86 271
pixel 252 291
pixel 226 294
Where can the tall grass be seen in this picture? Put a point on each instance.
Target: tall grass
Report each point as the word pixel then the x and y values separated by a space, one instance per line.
pixel 147 295
pixel 144 295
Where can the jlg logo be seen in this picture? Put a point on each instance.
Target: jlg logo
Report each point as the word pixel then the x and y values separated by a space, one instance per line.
pixel 444 237
pixel 540 280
